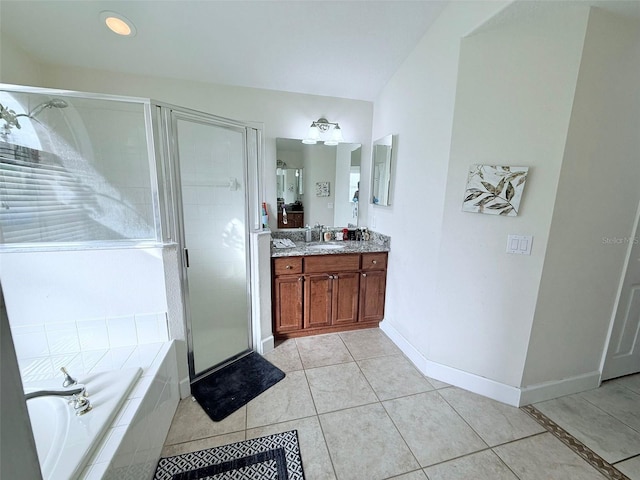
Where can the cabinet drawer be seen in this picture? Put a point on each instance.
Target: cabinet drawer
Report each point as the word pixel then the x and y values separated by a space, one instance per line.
pixel 374 261
pixel 287 265
pixel 331 263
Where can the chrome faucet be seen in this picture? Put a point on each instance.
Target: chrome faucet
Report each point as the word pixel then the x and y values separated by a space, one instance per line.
pixel 78 395
pixel 68 379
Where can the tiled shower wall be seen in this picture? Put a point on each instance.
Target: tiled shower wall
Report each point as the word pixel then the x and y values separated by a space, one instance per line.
pixel 85 345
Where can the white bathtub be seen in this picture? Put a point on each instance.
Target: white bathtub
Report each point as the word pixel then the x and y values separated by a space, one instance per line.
pixel 64 441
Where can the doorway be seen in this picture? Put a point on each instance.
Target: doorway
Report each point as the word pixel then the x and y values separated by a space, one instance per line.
pixel 211 179
pixel 623 353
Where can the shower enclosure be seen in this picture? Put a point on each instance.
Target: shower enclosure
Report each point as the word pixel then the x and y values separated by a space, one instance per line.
pixel 87 171
pixel 211 176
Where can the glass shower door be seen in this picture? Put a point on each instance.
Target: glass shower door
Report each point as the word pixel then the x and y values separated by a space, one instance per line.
pixel 214 218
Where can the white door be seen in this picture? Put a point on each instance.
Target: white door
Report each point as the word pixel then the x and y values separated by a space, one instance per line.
pixel 623 354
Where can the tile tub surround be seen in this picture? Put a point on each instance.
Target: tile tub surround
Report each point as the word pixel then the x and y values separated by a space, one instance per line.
pixel 131 447
pixel 85 345
pixel 377 243
pixel 392 422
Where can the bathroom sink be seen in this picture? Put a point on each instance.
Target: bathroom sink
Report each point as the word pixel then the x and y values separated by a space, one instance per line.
pixel 326 246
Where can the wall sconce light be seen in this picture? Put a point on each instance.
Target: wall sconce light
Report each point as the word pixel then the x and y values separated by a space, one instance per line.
pixel 322 128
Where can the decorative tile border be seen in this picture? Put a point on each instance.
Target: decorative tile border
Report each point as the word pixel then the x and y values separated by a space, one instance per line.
pixel 595 460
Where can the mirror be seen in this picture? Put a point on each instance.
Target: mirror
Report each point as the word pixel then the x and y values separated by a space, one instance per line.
pixel 317 183
pixel 381 180
pixel 289 184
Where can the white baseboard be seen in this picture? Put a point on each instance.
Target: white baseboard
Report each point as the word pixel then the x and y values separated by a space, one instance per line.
pixel 453 376
pixel 515 396
pixel 559 388
pixel 266 345
pixel 184 387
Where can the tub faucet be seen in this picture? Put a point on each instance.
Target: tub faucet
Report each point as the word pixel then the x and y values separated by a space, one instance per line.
pixel 68 379
pixel 78 397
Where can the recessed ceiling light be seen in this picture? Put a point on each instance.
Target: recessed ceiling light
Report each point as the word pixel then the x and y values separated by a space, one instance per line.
pixel 118 23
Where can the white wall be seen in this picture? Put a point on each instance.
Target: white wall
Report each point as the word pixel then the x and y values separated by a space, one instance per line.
pixel 16 66
pixel 515 91
pixel 417 105
pixel 519 96
pixel 597 199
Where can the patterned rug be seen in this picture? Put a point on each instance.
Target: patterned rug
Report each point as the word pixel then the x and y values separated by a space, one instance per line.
pixel 274 457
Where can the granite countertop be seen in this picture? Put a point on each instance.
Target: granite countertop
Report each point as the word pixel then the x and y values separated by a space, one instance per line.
pixel 341 247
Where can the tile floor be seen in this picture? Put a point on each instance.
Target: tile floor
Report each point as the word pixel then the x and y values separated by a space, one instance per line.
pixel 363 412
pixel 606 420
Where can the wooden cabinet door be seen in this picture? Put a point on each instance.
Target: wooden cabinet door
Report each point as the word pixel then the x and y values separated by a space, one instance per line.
pixel 372 295
pixel 288 296
pixel 344 297
pixel 317 306
pixel 298 219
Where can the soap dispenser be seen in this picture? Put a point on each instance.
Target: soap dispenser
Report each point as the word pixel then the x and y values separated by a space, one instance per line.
pixel 307 234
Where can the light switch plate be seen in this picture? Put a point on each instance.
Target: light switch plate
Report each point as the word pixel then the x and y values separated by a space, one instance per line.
pixel 519 244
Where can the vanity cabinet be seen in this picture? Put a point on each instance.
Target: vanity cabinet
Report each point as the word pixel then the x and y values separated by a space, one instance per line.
pixel 294 220
pixel 373 284
pixel 288 291
pixel 328 293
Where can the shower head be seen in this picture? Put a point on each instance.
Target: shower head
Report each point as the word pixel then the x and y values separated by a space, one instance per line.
pixel 53 103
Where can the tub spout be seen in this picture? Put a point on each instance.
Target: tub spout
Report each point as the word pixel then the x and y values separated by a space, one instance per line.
pixel 56 393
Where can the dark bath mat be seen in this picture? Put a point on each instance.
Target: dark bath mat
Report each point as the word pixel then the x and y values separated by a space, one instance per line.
pixel 226 390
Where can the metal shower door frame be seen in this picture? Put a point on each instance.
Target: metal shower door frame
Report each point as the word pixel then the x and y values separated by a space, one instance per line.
pixel 165 129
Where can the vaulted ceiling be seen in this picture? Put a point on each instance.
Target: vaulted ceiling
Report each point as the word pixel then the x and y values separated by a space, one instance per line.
pixel 344 49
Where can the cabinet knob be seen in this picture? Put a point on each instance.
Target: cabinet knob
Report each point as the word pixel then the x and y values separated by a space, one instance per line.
pixel 288 267
pixel 300 279
pixel 364 274
pixel 374 262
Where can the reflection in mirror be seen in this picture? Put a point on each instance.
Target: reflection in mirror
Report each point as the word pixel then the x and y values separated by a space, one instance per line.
pixel 381 171
pixel 303 172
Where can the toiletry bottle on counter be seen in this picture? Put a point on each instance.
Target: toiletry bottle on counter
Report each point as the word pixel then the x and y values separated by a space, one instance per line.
pixel 265 216
pixel 307 234
pixel 327 235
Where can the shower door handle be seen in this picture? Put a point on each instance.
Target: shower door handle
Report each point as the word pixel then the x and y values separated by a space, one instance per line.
pixel 186 256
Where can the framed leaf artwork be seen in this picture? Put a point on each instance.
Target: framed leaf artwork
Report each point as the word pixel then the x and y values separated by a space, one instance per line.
pixel 322 189
pixel 494 189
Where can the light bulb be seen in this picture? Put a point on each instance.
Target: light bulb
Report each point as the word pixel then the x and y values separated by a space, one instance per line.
pixel 118 24
pixel 336 135
pixel 312 136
